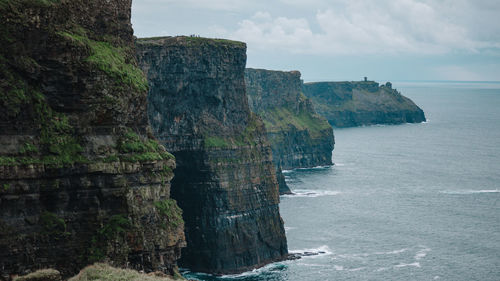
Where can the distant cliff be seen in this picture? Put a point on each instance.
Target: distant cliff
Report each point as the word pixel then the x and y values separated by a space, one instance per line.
pixel 81 180
pixel 225 179
pixel 349 104
pixel 299 137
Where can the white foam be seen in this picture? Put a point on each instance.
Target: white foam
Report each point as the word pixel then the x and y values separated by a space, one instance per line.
pixel 311 264
pixel 363 255
pixel 253 272
pixel 312 193
pixel 320 251
pixel 422 253
pixel 468 192
pixel 395 252
pixel 415 264
pixel 315 168
pixel 338 267
pixel 339 164
pixel 356 269
pixel 287 228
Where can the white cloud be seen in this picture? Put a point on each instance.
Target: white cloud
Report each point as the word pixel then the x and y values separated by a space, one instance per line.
pixel 367 27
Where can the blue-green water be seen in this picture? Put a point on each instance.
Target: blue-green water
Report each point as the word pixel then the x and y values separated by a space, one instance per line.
pixel 406 202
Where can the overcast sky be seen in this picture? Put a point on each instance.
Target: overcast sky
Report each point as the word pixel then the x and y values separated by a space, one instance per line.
pixel 386 40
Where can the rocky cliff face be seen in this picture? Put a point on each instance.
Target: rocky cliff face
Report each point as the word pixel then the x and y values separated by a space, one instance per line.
pixel 299 137
pixel 348 104
pixel 80 179
pixel 225 180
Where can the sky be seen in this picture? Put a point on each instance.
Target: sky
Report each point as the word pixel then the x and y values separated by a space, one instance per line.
pixel 337 40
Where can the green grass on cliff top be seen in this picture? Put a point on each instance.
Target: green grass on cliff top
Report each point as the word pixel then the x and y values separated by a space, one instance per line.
pixel 104 272
pixel 280 119
pixel 111 60
pixel 193 40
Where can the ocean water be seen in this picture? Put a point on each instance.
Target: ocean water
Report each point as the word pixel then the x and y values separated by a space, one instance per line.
pixel 404 202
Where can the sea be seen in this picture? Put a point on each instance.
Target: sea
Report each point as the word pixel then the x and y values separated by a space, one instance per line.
pixel 402 202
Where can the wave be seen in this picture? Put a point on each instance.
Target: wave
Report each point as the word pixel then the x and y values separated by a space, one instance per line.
pixel 256 272
pixel 415 264
pixel 268 269
pixel 311 193
pixel 469 192
pixel 311 168
pixel 312 253
pixel 342 268
pixel 395 252
pixel 422 253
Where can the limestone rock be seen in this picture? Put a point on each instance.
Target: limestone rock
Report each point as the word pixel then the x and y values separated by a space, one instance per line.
pixel 299 137
pixel 349 104
pixel 225 180
pixel 81 179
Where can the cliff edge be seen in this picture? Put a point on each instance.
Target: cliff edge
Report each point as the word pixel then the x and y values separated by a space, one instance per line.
pixel 225 180
pixel 81 179
pixel 349 104
pixel 299 137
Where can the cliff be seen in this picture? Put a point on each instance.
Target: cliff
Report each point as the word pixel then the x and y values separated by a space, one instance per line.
pixel 225 180
pixel 299 137
pixel 81 180
pixel 349 104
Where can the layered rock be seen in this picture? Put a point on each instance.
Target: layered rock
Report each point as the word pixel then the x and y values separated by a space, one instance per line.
pixel 299 137
pixel 349 104
pixel 225 180
pixel 81 180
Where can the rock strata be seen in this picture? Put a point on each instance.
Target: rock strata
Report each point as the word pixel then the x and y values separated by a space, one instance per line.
pixel 81 179
pixel 349 104
pixel 225 180
pixel 299 137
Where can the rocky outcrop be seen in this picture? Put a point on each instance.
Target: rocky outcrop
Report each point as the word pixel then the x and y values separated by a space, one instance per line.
pixel 81 180
pixel 299 137
pixel 225 180
pixel 349 104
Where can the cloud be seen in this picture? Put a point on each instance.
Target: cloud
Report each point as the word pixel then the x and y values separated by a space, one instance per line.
pixel 369 27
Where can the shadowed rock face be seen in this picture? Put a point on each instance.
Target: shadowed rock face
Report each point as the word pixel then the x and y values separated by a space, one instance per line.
pixel 349 104
pixel 299 137
pixel 80 180
pixel 225 180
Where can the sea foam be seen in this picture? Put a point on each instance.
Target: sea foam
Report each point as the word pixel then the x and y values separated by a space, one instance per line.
pixel 312 193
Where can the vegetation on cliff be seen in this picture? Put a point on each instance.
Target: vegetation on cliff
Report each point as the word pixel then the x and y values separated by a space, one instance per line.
pixel 299 137
pixel 348 104
pixel 225 181
pixel 79 168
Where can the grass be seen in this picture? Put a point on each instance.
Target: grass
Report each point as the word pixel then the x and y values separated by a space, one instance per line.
pixel 53 226
pixel 116 225
pixel 43 274
pixel 246 137
pixel 109 59
pixel 215 141
pixel 104 272
pixel 193 40
pixel 280 119
pixel 58 143
pixel 139 149
pixel 169 210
